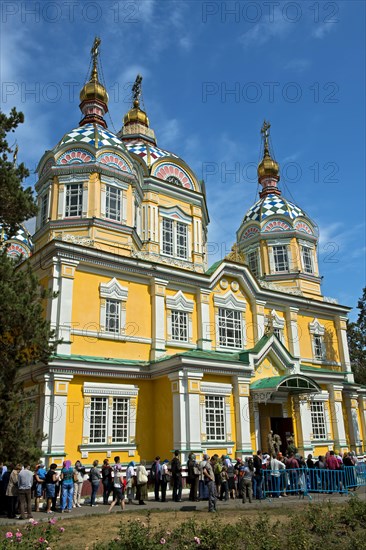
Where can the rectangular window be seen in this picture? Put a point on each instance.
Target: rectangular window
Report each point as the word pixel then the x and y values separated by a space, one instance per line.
pixel 318 347
pixel 168 237
pixel 120 420
pixel 181 240
pixel 180 326
pixel 230 332
pixel 318 420
pixel 215 418
pixel 253 262
pixel 307 259
pixel 113 203
pixel 74 200
pixel 277 333
pixel 98 420
pixel 280 257
pixel 44 209
pixel 112 318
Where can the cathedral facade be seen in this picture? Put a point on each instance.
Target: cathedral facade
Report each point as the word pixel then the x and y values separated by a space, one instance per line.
pixel 160 351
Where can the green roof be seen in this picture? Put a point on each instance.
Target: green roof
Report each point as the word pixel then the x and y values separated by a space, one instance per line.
pixel 267 383
pixel 93 359
pixel 319 369
pixel 213 268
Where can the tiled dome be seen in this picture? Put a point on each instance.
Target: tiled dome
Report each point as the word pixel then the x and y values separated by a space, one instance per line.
pixel 148 152
pixel 20 244
pixel 273 205
pixel 92 134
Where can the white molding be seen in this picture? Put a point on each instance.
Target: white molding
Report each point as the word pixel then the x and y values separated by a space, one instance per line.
pixel 110 390
pixel 316 328
pixel 113 290
pixel 229 301
pixel 179 302
pixel 176 214
pixel 215 388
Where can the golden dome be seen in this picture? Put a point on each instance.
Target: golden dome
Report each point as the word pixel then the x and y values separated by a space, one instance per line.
pixel 94 90
pixel 268 168
pixel 136 115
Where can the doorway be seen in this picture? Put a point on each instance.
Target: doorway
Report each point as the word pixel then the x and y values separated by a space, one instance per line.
pixel 284 428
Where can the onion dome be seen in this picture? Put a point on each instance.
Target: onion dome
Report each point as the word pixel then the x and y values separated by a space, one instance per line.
pixel 268 169
pixel 273 205
pixel 93 96
pixel 136 122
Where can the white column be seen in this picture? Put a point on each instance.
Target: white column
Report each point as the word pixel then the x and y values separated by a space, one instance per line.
pixel 193 410
pixel 341 327
pixel 306 426
pixel 362 407
pixel 66 285
pixel 46 412
pixel 353 423
pixel 205 327
pixel 257 426
pixel 158 287
pixel 242 415
pixel 53 286
pixel 336 416
pixel 85 199
pixel 292 331
pixel 179 395
pixel 58 413
pixel 258 320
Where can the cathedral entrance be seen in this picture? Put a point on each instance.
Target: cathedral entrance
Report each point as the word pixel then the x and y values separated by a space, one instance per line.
pixel 284 428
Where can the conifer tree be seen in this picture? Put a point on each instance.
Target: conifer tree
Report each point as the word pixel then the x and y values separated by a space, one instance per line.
pixel 25 335
pixel 356 334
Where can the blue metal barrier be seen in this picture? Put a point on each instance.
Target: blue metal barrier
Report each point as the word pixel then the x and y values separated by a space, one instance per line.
pixel 304 481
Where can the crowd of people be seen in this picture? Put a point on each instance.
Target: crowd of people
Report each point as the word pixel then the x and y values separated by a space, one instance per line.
pixel 210 479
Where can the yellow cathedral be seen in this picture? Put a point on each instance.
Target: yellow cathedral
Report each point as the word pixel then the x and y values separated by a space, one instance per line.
pixel 159 351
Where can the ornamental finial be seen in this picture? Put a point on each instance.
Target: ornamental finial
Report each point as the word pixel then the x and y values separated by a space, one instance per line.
pixel 136 90
pixel 94 53
pixel 265 134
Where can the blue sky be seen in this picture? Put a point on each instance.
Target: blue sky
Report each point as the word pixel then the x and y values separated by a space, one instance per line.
pixel 212 72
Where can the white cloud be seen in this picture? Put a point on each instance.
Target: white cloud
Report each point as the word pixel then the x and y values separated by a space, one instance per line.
pixel 323 29
pixel 186 43
pixel 169 133
pixel 264 31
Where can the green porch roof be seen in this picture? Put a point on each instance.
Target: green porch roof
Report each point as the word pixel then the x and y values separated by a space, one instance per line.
pixel 213 267
pixel 94 359
pixel 290 382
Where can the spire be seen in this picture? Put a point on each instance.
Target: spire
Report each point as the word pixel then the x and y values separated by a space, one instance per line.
pixel 268 169
pixel 136 122
pixel 93 95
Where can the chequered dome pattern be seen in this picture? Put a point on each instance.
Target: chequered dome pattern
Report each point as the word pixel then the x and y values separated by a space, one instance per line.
pixel 89 134
pixel 272 205
pixel 147 152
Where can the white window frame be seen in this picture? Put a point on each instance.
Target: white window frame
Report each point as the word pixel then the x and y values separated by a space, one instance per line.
pixel 230 321
pixel 229 301
pixel 180 326
pixel 253 250
pixel 215 418
pixel 122 187
pixel 318 420
pixel 79 195
pixel 114 214
pixel 177 220
pixel 113 292
pixel 112 317
pixel 317 331
pixel 179 303
pixel 44 208
pixel 271 245
pixel 109 394
pixel 307 248
pixel 223 391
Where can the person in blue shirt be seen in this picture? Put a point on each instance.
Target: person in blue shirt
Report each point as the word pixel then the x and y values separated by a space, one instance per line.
pixel 39 476
pixel 67 478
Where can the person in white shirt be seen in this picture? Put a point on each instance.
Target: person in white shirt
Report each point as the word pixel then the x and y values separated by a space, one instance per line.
pixel 276 466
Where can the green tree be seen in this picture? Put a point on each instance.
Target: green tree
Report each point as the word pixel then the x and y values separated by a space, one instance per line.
pixel 356 334
pixel 17 203
pixel 25 335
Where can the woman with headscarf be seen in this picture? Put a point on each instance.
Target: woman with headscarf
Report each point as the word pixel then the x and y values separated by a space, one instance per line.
pixel 141 479
pixel 130 478
pixel 67 478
